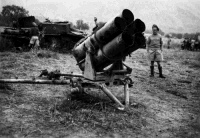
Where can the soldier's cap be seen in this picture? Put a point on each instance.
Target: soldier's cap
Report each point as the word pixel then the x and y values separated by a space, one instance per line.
pixel 154 25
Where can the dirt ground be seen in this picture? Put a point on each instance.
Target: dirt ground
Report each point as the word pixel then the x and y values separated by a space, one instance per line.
pixel 166 108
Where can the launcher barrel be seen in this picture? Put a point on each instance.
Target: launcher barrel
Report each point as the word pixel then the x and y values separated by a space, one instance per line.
pixel 114 41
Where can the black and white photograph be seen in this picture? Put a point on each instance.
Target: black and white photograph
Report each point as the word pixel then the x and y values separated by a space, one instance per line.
pixel 99 68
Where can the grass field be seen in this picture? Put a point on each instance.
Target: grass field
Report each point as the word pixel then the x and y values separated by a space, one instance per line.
pixel 165 107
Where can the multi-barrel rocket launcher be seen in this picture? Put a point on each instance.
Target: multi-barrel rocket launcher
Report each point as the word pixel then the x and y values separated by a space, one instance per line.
pixel 100 56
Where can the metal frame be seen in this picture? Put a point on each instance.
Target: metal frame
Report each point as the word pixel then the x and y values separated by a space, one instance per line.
pixel 90 78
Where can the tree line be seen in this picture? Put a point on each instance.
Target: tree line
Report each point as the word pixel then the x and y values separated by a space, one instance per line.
pixel 11 13
pixel 177 35
pixel 184 35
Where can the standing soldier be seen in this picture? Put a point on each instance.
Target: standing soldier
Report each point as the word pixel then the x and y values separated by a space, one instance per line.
pixel 192 44
pixel 96 24
pixel 168 42
pixel 154 50
pixel 197 43
pixel 188 45
pixel 34 42
pixel 184 44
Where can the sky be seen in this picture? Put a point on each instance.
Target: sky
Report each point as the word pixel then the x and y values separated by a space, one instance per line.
pixel 68 9
pixel 73 10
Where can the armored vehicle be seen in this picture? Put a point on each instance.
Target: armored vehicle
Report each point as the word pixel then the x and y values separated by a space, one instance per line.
pixel 59 36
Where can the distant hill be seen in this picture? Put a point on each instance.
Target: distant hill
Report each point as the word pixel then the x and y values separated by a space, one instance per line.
pixel 171 16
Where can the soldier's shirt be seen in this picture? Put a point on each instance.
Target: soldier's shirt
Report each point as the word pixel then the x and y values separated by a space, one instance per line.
pixel 154 42
pixel 34 31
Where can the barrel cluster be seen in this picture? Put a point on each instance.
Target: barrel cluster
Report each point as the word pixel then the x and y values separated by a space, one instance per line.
pixel 119 37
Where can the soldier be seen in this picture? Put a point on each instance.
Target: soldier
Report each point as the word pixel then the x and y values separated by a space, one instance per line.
pixel 34 42
pixel 168 42
pixel 154 50
pixel 96 24
pixel 192 44
pixel 197 43
pixel 188 44
pixel 184 43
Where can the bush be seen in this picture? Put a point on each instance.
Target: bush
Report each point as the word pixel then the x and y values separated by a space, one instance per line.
pixel 11 13
pixel 81 25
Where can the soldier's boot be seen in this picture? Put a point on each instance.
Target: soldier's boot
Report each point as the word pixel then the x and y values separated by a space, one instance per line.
pixel 160 72
pixel 152 71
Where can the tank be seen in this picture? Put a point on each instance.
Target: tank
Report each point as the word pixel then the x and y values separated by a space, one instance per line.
pixel 19 34
pixel 59 36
